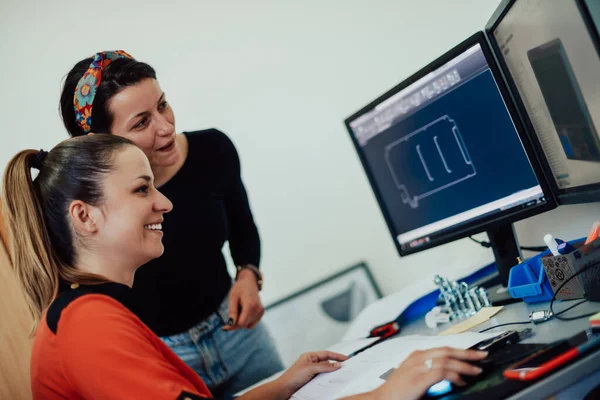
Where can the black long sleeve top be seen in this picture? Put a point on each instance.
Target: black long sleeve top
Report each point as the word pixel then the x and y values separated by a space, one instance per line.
pixel 210 206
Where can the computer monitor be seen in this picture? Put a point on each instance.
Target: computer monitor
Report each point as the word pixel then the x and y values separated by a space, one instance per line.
pixel 447 157
pixel 549 50
pixel 590 11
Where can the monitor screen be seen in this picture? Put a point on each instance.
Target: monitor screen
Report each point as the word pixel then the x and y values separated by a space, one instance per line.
pixel 443 153
pixel 591 9
pixel 552 61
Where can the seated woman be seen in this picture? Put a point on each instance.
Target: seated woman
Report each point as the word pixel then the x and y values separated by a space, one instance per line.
pixel 79 232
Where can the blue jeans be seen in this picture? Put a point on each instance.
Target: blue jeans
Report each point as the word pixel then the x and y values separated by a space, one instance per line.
pixel 226 361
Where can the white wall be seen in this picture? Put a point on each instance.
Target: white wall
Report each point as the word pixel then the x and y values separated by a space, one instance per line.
pixel 279 77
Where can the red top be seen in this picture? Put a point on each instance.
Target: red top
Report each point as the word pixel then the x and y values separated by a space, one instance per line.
pixel 100 349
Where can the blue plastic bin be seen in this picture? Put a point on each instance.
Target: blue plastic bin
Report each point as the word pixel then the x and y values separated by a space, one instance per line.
pixel 528 281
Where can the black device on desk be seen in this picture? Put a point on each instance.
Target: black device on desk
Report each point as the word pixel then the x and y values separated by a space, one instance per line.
pixel 503 349
pixel 492 344
pixel 539 359
pixel 553 357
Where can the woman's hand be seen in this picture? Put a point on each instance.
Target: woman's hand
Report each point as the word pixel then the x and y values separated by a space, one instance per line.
pixel 422 369
pixel 245 307
pixel 307 367
pixel 303 370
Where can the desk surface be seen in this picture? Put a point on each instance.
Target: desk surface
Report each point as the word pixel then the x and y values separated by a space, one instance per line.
pixel 546 332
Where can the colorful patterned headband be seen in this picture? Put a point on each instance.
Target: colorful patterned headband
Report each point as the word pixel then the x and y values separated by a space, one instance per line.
pixel 88 84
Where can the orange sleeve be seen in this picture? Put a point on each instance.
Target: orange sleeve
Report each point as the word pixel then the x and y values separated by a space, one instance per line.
pixel 107 353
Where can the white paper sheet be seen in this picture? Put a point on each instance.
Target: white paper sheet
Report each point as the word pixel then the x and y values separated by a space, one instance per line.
pixel 346 348
pixel 362 373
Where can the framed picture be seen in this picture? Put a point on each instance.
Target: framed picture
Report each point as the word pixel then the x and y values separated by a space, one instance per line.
pixel 317 317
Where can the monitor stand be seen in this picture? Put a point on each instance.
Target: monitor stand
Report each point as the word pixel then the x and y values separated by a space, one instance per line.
pixel 506 250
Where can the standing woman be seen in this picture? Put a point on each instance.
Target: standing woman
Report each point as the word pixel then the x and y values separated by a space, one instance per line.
pixel 187 296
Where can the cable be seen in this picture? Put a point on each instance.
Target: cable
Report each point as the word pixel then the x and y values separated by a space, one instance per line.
pixel 487 245
pixel 557 315
pixel 569 308
pixel 552 313
pixel 508 323
pixel 538 249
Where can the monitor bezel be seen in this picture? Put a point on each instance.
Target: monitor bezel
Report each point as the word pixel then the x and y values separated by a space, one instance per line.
pixel 593 29
pixel 575 195
pixel 486 223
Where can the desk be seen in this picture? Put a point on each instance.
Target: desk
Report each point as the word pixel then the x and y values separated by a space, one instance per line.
pixel 546 332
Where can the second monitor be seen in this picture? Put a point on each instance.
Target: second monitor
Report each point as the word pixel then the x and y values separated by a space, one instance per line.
pixel 447 157
pixel 550 52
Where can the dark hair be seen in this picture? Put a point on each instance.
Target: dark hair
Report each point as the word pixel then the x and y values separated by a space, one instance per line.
pixel 118 75
pixel 42 240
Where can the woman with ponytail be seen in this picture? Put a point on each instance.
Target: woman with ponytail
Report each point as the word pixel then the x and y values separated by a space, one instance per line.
pixel 79 231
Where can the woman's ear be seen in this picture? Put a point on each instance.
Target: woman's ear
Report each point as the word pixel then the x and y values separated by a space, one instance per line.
pixel 83 217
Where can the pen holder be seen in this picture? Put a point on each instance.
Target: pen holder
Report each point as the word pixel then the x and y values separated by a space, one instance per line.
pixel 529 282
pixel 561 268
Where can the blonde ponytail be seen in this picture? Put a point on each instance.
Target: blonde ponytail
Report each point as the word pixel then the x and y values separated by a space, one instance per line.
pixel 36 266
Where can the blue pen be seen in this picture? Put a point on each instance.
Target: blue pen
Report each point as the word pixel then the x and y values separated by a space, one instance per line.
pixel 565 248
